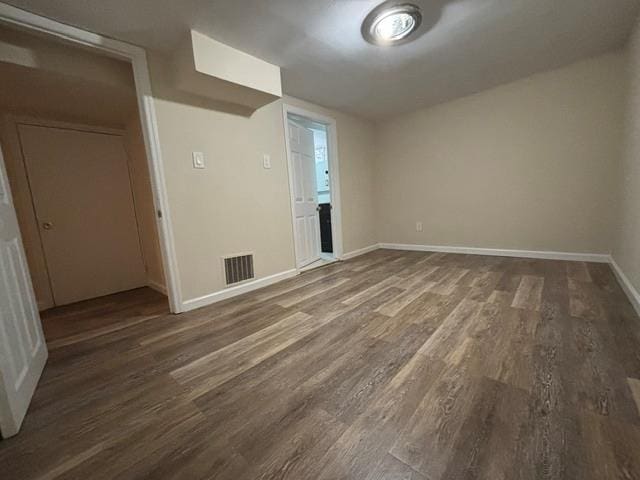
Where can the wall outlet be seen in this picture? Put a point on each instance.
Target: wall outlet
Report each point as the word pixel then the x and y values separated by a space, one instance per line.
pixel 198 159
pixel 266 161
pixel 418 226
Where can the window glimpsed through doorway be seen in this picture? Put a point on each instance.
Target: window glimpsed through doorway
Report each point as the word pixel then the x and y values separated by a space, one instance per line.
pixel 323 188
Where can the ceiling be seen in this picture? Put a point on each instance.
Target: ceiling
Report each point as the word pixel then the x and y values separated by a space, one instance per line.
pixel 464 46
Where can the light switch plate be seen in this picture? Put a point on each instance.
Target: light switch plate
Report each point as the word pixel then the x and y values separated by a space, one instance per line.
pixel 266 161
pixel 198 159
pixel 418 226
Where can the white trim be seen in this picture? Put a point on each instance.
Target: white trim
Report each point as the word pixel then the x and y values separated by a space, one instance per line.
pixel 625 283
pixel 627 286
pixel 360 251
pixel 214 297
pixel 318 264
pixel 157 286
pixel 575 257
pixel 137 57
pixel 631 292
pixel 334 174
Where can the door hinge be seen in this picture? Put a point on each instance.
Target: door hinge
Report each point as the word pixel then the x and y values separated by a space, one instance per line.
pixel 159 212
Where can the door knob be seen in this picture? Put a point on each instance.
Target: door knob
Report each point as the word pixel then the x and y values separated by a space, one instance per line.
pixel 318 208
pixel 47 225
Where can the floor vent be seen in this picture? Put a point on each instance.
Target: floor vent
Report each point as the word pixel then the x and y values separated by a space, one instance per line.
pixel 238 268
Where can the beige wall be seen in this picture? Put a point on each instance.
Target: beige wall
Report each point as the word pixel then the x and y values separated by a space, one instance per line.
pixel 40 53
pixel 530 165
pixel 48 79
pixel 143 199
pixel 234 205
pixel 626 248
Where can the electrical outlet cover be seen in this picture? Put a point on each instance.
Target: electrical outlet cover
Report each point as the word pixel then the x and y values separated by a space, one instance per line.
pixel 198 159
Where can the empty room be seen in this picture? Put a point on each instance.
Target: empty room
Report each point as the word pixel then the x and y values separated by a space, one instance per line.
pixel 332 240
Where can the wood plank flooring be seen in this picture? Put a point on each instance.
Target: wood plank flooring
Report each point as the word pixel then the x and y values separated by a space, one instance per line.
pixel 393 365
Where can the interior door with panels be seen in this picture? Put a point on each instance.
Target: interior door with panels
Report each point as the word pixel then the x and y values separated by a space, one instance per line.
pixel 305 195
pixel 23 351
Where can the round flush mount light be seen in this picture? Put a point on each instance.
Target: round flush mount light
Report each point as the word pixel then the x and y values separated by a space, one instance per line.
pixel 391 24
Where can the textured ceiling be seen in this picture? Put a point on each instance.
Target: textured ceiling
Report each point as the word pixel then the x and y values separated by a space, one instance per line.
pixel 464 46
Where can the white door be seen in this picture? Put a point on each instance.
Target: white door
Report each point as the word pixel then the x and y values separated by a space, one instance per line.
pixel 305 195
pixel 83 202
pixel 23 352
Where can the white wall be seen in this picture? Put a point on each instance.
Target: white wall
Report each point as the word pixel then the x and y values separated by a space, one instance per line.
pixel 626 247
pixel 531 165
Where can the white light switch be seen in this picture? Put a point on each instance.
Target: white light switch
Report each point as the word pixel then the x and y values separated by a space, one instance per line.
pixel 266 161
pixel 418 226
pixel 198 159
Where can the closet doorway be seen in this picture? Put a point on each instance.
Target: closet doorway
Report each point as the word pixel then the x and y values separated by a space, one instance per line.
pixel 82 197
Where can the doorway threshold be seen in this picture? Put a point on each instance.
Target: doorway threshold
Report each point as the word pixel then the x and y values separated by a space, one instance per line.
pixel 325 259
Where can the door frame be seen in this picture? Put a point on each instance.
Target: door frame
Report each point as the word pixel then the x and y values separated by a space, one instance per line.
pixel 334 174
pixel 136 56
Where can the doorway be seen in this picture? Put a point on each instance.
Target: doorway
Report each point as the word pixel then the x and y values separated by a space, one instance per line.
pixel 49 90
pixel 75 161
pixel 95 247
pixel 311 144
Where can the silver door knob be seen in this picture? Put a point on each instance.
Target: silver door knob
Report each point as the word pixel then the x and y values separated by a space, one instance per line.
pixel 47 225
pixel 318 208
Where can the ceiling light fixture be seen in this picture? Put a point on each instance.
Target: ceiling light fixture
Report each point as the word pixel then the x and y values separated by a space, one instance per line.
pixel 391 24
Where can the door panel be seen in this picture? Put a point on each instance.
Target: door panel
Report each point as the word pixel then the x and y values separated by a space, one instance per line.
pixel 84 205
pixel 313 235
pixel 306 219
pixel 23 352
pixel 298 179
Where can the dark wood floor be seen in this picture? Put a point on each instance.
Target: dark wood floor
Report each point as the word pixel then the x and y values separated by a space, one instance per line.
pixel 394 365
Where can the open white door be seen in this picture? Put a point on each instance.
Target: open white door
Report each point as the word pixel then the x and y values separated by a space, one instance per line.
pixel 305 195
pixel 23 351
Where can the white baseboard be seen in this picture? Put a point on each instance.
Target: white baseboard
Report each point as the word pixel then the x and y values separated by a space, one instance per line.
pixel 360 251
pixel 577 257
pixel 629 289
pixel 157 286
pixel 214 297
pixel 631 292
